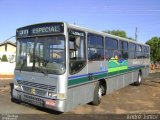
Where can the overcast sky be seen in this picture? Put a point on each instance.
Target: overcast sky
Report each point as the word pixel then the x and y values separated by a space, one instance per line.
pixel 96 14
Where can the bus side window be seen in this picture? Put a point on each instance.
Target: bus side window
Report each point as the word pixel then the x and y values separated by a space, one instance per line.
pixel 123 48
pixel 148 52
pixel 95 47
pixel 111 47
pixel 131 49
pixel 138 51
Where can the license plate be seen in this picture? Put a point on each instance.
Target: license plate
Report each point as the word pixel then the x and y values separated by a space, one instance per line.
pixel 50 102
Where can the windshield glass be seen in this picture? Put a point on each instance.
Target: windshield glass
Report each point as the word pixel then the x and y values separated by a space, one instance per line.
pixel 41 54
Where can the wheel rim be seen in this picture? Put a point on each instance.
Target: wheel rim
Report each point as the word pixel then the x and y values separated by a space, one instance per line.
pixel 139 79
pixel 100 92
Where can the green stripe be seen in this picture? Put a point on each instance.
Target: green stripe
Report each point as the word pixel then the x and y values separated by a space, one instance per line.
pixel 100 76
pixel 117 68
pixel 86 79
pixel 77 81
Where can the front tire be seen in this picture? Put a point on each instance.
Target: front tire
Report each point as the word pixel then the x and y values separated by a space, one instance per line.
pixel 139 79
pixel 97 94
pixel 15 100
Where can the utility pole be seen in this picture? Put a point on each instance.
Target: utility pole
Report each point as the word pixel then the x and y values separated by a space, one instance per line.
pixel 136 34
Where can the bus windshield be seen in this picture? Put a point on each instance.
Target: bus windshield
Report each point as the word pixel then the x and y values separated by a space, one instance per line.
pixel 41 54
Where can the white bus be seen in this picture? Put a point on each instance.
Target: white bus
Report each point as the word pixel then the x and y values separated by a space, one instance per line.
pixel 60 66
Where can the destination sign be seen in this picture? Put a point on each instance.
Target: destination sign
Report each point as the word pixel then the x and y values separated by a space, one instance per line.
pixel 40 29
pixel 77 33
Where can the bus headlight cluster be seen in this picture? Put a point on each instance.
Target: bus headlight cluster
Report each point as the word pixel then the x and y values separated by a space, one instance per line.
pixel 51 94
pixel 57 96
pixel 61 96
pixel 17 86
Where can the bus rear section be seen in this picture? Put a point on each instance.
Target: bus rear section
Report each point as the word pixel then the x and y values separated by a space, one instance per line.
pixel 107 63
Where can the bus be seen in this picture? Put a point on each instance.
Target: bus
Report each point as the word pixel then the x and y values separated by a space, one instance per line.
pixel 60 65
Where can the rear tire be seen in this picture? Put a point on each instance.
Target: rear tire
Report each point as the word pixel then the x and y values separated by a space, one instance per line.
pixel 97 94
pixel 139 79
pixel 15 100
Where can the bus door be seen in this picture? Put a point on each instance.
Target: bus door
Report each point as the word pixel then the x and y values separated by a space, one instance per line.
pixel 77 57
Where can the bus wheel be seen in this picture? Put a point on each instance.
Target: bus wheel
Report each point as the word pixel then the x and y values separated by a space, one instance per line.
pixel 97 94
pixel 139 79
pixel 15 100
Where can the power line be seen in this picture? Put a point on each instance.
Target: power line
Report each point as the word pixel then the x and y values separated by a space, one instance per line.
pixel 9 38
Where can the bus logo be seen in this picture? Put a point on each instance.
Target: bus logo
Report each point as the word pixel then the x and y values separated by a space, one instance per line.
pixel 33 91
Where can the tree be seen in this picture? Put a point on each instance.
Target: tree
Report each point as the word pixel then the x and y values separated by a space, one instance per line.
pixel 4 58
pixel 154 44
pixel 119 33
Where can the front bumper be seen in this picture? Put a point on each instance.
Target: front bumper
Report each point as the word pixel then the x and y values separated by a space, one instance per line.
pixel 59 105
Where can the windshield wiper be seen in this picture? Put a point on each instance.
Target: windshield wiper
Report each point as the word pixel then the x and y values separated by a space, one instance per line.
pixel 42 70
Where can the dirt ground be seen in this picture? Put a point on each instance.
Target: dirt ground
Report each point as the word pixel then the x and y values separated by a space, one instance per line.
pixel 143 99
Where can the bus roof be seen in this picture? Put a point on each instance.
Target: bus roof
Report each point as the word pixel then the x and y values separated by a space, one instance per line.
pixel 102 33
pixel 89 30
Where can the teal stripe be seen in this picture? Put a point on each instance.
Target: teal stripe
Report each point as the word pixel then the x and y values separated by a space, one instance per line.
pixel 86 79
pixel 77 81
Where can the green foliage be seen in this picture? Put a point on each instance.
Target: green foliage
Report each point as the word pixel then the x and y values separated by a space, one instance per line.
pixel 119 33
pixel 4 58
pixel 131 38
pixel 154 44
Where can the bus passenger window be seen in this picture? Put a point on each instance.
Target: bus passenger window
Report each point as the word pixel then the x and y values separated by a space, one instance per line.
pixel 139 51
pixel 95 47
pixel 123 48
pixel 111 45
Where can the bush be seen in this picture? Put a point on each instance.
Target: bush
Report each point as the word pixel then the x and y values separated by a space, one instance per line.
pixel 4 58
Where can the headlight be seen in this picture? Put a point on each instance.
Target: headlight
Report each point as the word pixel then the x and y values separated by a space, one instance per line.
pixel 56 96
pixel 16 86
pixel 51 94
pixel 60 96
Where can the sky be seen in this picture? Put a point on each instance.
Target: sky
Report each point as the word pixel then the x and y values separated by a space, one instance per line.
pixel 95 14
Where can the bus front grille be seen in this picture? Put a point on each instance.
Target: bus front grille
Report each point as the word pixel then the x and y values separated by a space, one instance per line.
pixel 33 100
pixel 37 85
pixel 37 91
